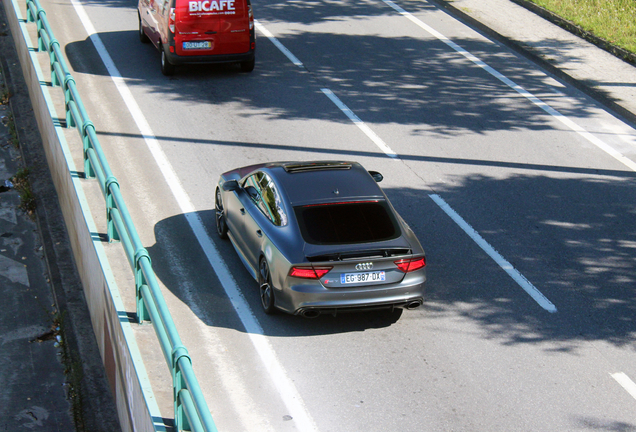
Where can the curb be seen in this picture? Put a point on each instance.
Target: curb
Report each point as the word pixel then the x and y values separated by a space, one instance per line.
pixel 532 55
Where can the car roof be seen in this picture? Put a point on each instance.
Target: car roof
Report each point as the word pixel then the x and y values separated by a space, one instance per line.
pixel 324 181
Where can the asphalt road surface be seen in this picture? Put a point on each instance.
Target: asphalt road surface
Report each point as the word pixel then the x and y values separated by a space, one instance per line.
pixel 520 188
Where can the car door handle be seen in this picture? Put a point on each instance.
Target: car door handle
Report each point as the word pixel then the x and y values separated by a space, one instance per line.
pixel 259 233
pixel 242 211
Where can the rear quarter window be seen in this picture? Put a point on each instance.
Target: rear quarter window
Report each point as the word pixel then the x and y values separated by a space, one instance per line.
pixel 344 223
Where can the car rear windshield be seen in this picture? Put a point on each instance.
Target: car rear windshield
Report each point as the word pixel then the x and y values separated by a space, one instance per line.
pixel 350 222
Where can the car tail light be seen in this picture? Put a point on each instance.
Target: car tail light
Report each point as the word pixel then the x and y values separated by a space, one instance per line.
pixel 171 20
pixel 412 264
pixel 250 15
pixel 309 272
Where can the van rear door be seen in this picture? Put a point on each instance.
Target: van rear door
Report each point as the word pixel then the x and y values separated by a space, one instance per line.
pixel 234 36
pixel 211 27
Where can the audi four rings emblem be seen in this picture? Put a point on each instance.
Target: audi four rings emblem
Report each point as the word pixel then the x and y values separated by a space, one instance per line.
pixel 364 266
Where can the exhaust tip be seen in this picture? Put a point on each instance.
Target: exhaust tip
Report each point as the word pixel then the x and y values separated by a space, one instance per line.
pixel 310 313
pixel 413 304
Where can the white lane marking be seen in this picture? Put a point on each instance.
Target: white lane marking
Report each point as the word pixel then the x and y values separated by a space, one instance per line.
pixel 505 265
pixel 286 388
pixel 535 100
pixel 625 382
pixel 278 45
pixel 354 118
pixel 525 284
pixel 363 127
pixel 236 384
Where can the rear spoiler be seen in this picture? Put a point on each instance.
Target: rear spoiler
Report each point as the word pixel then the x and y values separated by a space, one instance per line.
pixel 354 255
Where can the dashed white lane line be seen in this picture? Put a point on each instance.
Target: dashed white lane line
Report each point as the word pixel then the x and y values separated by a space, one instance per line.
pixel 625 382
pixel 284 385
pixel 505 265
pixel 532 98
pixel 361 125
pixel 279 45
pixel 521 280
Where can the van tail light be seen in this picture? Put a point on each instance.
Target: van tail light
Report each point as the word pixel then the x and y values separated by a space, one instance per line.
pixel 171 20
pixel 410 265
pixel 250 14
pixel 309 272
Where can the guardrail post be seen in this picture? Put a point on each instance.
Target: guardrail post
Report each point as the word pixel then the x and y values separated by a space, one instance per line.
pixel 70 120
pixel 178 383
pixel 89 172
pixel 30 17
pixel 38 20
pixel 55 82
pixel 140 280
pixel 113 235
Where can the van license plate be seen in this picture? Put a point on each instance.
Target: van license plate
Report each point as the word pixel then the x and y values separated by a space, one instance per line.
pixel 197 45
pixel 376 276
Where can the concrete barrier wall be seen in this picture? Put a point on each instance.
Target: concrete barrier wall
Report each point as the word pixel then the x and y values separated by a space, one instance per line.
pixel 125 371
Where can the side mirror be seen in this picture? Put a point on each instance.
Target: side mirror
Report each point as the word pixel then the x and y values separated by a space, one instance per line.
pixel 376 176
pixel 230 185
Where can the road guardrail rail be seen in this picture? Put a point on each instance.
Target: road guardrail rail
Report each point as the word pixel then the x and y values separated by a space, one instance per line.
pixel 190 408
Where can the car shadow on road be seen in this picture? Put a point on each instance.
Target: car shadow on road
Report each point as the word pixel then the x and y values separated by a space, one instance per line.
pixel 208 299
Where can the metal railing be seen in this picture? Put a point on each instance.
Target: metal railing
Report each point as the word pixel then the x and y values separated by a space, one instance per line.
pixel 190 409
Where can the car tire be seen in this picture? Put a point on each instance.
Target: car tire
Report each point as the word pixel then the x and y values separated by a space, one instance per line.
pixel 248 66
pixel 266 290
pixel 167 68
pixel 142 36
pixel 221 223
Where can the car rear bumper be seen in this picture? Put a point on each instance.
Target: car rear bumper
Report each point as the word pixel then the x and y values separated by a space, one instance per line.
pixel 312 300
pixel 210 59
pixel 313 312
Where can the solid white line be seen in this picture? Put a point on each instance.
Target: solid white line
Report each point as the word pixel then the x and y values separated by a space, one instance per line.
pixel 625 382
pixel 535 100
pixel 505 265
pixel 278 45
pixel 286 388
pixel 363 127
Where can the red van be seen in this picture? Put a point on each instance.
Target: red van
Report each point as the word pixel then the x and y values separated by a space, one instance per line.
pixel 199 31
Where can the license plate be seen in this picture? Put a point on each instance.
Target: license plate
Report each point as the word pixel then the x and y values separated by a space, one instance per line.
pixel 197 45
pixel 349 278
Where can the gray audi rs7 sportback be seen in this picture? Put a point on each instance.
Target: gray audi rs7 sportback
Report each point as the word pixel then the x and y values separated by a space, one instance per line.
pixel 320 237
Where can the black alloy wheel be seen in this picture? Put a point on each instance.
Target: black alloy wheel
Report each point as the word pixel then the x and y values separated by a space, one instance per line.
pixel 221 224
pixel 266 290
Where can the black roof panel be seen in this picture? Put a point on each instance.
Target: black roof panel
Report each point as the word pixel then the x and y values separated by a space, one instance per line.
pixel 320 181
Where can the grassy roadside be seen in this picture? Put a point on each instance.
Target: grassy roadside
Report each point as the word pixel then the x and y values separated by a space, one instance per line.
pixel 612 20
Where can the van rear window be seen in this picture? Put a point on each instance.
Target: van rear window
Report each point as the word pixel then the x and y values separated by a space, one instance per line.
pixel 343 223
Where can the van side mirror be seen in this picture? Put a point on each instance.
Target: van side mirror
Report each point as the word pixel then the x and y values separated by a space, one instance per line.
pixel 230 185
pixel 376 176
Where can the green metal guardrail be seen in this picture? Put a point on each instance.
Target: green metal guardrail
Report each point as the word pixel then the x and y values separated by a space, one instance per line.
pixel 190 409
